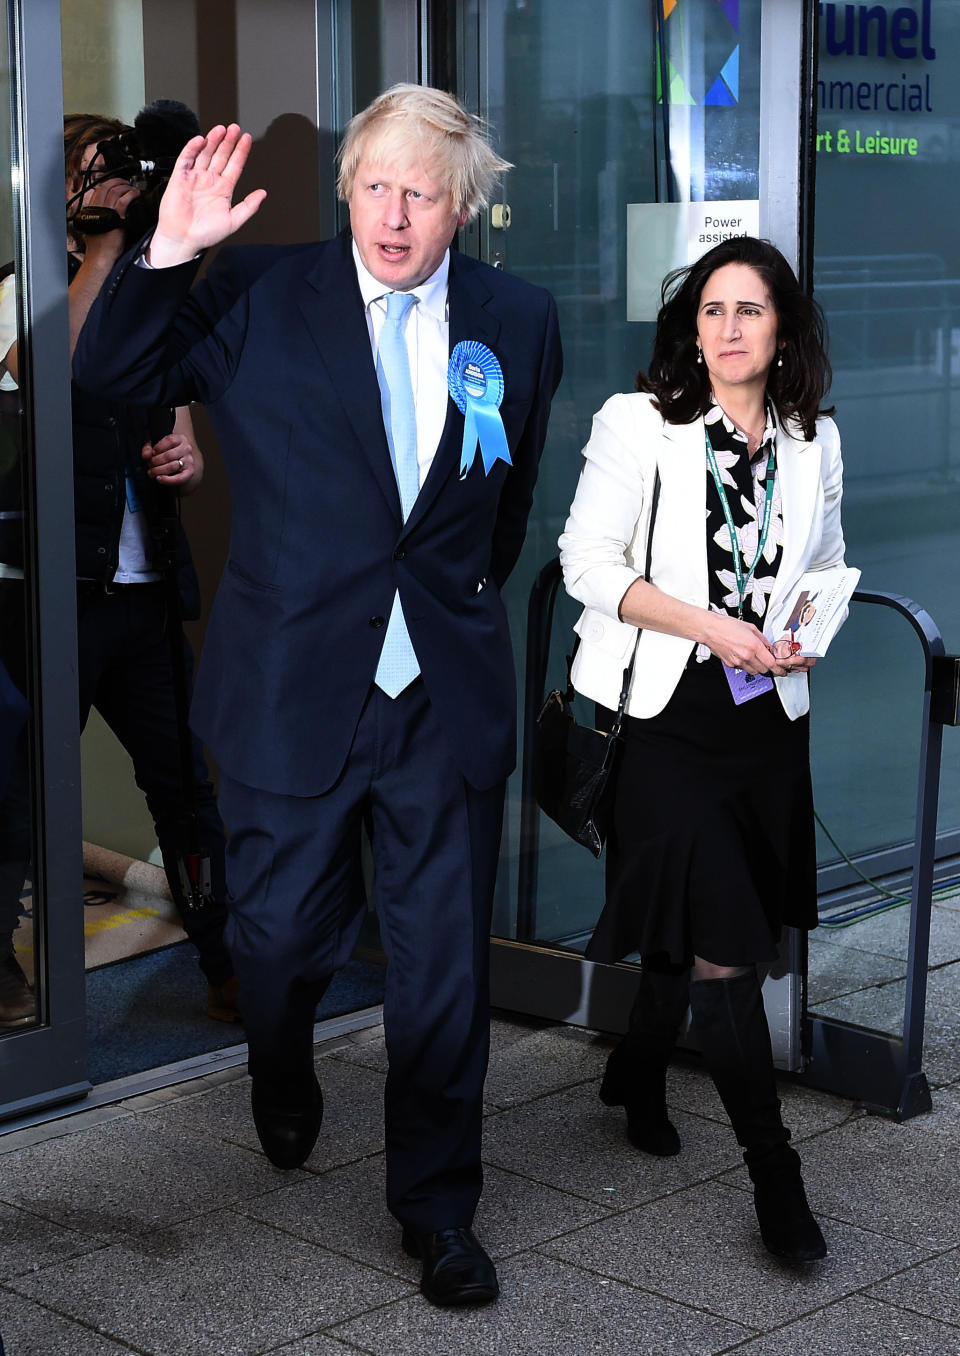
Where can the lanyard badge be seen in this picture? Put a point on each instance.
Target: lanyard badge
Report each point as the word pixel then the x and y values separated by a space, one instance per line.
pixel 744 686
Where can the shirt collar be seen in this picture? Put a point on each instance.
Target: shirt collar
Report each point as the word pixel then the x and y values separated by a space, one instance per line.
pixel 431 295
pixel 716 415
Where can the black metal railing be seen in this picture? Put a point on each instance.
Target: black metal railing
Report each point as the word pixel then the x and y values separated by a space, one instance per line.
pixel 882 1071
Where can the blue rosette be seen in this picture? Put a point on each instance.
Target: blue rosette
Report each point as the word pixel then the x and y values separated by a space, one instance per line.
pixel 475 381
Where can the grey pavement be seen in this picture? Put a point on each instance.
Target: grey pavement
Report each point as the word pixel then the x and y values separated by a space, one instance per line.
pixel 157 1227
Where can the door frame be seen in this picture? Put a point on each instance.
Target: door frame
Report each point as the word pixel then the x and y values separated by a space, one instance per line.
pixel 46 1064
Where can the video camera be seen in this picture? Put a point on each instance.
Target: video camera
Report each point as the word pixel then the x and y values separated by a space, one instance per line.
pixel 144 155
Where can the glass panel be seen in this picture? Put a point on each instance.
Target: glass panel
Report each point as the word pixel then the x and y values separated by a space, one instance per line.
pixel 20 918
pixel 102 56
pixel 574 94
pixel 887 272
pixel 865 757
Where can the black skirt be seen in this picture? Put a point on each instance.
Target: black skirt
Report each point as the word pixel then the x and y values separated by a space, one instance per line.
pixel 712 848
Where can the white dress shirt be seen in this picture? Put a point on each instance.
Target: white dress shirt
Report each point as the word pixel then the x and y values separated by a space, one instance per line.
pixel 427 334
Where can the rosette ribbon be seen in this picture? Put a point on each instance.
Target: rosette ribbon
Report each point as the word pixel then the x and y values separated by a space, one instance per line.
pixel 475 381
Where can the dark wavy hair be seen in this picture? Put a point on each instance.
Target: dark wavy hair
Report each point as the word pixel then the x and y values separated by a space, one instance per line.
pixel 81 130
pixel 681 385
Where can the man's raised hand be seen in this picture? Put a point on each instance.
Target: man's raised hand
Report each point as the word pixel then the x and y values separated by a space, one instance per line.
pixel 197 209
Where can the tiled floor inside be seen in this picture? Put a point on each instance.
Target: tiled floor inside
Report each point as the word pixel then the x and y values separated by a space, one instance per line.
pixel 158 1227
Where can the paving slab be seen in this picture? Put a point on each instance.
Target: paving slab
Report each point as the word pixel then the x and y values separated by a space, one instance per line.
pixel 806 1110
pixel 352 1116
pixel 160 1228
pixel 883 934
pixel 225 1286
pixel 314 1346
pixel 130 1177
pixel 546 1306
pixel 344 1210
pixel 943 987
pixel 371 1054
pixel 569 1140
pixel 30 1330
pixel 522 1055
pixel 888 934
pixel 14 1140
pixel 834 969
pixel 932 1288
pixel 857 1324
pixel 878 1008
pixel 944 1117
pixel 941 1046
pixel 882 1009
pixel 542 1062
pixel 28 1242
pixel 526 1061
pixel 702 1247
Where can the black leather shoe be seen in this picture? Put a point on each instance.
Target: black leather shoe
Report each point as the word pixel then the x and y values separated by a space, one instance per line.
pixel 456 1270
pixel 287 1132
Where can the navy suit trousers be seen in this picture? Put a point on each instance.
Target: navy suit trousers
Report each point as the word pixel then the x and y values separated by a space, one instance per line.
pixel 296 906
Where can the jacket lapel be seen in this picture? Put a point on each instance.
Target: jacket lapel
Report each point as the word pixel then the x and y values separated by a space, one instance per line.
pixel 332 308
pixel 798 466
pixel 683 473
pixel 470 318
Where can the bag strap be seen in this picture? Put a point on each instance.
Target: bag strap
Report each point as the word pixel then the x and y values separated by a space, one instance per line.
pixel 628 671
pixel 570 693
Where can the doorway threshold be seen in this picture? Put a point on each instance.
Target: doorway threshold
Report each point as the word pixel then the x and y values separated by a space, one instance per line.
pixel 103 1101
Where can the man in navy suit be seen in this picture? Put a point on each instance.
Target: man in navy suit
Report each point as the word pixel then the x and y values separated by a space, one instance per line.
pixel 357 668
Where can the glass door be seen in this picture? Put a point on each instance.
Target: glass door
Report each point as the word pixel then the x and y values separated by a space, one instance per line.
pixel 640 135
pixel 42 1047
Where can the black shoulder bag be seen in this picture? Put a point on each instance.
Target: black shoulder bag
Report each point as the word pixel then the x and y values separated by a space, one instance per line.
pixel 573 763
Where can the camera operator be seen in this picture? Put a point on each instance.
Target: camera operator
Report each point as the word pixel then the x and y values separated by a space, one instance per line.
pixel 129 464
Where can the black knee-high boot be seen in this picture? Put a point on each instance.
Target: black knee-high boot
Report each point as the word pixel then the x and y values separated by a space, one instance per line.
pixel 636 1072
pixel 732 1027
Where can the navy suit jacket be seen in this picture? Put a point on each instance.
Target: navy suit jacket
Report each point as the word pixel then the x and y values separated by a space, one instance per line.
pixel 274 342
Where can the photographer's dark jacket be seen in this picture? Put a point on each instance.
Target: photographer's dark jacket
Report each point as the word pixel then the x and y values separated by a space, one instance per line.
pixel 107 441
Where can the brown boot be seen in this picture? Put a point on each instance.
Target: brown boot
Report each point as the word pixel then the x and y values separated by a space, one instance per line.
pixel 18 1006
pixel 222 1001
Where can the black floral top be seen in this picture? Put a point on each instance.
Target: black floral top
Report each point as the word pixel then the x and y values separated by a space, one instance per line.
pixel 744 479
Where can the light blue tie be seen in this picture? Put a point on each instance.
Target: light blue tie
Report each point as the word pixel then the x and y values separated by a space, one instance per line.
pixel 398 663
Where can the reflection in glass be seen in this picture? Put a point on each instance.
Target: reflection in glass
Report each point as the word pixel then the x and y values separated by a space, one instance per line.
pixel 574 94
pixel 887 272
pixel 865 757
pixel 19 926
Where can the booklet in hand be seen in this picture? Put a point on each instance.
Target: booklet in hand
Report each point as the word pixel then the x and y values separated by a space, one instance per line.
pixel 819 609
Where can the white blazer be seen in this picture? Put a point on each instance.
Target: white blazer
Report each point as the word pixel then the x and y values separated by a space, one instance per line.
pixel 603 546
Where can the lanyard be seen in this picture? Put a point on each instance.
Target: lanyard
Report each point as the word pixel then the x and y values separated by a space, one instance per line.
pixel 743 580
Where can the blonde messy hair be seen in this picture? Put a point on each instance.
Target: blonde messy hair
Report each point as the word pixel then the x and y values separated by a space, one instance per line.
pixel 417 123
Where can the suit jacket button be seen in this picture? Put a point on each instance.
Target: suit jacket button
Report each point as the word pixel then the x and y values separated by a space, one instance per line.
pixel 377 622
pixel 399 553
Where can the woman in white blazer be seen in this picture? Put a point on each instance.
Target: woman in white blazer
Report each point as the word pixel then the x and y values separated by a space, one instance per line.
pixel 712 848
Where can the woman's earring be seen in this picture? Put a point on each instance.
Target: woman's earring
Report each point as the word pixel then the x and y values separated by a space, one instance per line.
pixel 780 359
pixel 700 355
